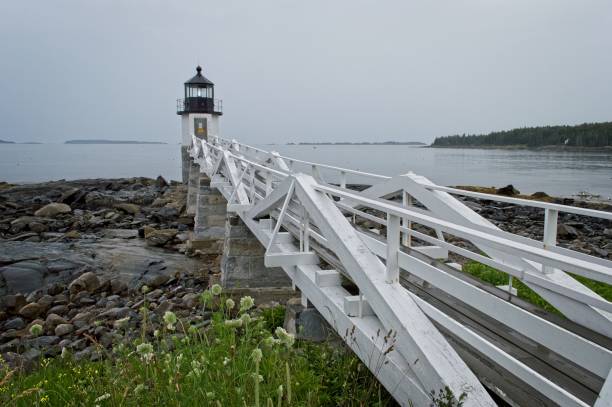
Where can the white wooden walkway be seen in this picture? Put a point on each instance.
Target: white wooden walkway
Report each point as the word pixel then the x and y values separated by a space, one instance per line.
pixel 408 306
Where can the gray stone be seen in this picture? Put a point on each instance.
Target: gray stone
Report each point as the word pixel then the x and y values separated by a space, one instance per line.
pixel 15 323
pixel 85 282
pixel 53 209
pixel 24 276
pixel 566 232
pixel 63 329
pixel 44 341
pixel 31 311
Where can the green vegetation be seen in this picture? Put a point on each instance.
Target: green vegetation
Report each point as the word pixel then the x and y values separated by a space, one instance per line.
pixel 587 135
pixel 243 358
pixel 496 277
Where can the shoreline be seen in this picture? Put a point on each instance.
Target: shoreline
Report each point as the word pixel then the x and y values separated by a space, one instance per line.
pixel 606 149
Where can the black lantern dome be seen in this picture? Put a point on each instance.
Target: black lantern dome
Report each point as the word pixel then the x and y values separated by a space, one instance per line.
pixel 199 96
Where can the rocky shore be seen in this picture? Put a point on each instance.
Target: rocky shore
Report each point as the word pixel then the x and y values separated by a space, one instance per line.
pixel 75 256
pixel 82 258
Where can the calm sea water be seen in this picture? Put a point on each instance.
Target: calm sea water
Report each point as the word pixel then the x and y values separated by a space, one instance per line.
pixel 559 173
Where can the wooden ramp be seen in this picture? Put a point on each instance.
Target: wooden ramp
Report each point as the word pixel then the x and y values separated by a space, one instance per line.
pixel 391 293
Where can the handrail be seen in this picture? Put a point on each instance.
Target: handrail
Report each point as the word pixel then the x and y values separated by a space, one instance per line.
pixel 455 191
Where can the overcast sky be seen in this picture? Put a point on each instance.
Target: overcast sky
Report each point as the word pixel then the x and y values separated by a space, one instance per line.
pixel 303 70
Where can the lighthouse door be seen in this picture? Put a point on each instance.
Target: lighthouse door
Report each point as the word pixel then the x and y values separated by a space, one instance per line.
pixel 200 128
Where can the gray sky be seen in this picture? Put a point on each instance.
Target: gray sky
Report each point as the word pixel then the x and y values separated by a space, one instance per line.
pixel 303 70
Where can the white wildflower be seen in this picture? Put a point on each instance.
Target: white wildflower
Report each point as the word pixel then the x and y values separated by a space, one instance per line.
pixel 230 304
pixel 102 398
pixel 246 303
pixel 256 355
pixel 216 289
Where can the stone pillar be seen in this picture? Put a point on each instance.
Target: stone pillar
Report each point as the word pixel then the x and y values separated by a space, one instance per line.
pixel 242 264
pixel 193 188
pixel 209 226
pixel 185 164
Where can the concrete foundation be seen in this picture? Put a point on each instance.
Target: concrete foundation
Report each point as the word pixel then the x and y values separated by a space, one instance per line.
pixel 242 264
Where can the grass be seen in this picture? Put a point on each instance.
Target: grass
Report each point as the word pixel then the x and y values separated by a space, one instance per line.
pixel 496 277
pixel 214 366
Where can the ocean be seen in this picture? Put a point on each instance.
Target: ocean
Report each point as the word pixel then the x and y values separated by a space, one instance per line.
pixel 558 173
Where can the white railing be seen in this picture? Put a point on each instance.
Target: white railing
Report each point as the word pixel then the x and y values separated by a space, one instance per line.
pixel 257 182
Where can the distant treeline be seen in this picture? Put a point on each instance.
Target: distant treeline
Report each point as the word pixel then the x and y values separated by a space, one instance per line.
pixel 360 143
pixel 582 135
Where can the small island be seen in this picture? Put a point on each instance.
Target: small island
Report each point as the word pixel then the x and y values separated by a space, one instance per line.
pixel 6 142
pixel 362 143
pixel 582 136
pixel 112 142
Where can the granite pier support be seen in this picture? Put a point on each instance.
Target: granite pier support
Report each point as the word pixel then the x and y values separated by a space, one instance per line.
pixel 185 164
pixel 242 264
pixel 193 188
pixel 209 225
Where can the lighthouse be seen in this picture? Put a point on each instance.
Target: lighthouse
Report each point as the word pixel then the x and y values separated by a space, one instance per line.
pixel 199 111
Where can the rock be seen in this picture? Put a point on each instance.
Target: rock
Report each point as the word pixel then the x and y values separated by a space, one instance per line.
pixel 608 232
pixel 566 232
pixel 55 288
pixel 85 282
pixel 160 182
pixel 540 195
pixel 37 227
pixel 129 208
pixel 64 329
pixel 118 286
pixel 14 302
pixel 154 280
pixel 53 320
pixel 23 276
pixel 31 311
pixel 70 196
pixel 161 237
pixel 44 341
pixel 190 300
pixel 59 309
pixel 15 323
pixel 73 234
pixel 45 301
pixel 52 210
pixel 97 200
pixel 166 213
pixel 82 316
pixel 508 190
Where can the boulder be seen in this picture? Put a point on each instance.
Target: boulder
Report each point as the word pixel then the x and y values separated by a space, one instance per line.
pixel 85 282
pixel 23 276
pixel 15 323
pixel 96 200
pixel 52 210
pixel 566 232
pixel 53 320
pixel 63 329
pixel 31 311
pixel 154 280
pixel 160 182
pixel 128 208
pixel 159 237
pixel 508 190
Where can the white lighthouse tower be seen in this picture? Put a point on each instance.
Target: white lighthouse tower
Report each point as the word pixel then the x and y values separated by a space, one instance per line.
pixel 199 111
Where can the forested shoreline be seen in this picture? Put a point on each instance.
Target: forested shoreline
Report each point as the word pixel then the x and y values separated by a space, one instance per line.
pixel 587 135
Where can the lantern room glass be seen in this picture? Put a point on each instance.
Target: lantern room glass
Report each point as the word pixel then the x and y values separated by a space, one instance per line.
pixel 199 92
